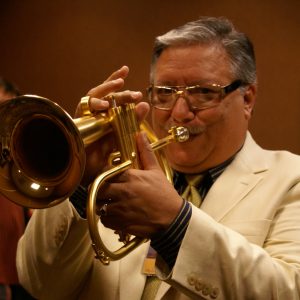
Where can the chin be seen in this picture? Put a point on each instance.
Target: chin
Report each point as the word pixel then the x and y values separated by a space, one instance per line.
pixel 178 155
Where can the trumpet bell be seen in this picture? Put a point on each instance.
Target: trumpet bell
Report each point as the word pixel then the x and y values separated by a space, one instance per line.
pixel 42 156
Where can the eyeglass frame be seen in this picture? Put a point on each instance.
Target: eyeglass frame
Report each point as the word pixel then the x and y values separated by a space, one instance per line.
pixel 178 91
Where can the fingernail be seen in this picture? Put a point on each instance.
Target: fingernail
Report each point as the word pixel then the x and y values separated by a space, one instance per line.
pixel 116 81
pixel 105 103
pixel 136 95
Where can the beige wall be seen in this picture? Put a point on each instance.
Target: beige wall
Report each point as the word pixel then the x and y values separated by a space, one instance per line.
pixel 60 49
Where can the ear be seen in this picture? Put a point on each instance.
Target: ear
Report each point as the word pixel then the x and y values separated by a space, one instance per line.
pixel 249 100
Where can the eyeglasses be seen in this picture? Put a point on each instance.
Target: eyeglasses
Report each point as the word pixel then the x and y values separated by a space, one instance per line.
pixel 198 97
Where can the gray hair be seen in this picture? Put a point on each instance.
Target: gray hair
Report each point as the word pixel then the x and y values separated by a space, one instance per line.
pixel 217 31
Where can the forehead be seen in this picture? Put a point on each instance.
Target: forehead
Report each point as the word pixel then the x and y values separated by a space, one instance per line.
pixel 193 64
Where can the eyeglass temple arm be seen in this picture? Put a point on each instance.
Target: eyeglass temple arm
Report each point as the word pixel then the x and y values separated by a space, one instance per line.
pixel 232 87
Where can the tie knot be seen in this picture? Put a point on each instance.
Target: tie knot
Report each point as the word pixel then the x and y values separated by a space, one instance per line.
pixel 194 180
pixel 191 192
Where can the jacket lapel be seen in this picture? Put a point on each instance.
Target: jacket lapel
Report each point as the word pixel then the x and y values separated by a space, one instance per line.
pixel 240 177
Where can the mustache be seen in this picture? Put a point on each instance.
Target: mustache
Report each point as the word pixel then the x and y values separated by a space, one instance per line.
pixel 193 130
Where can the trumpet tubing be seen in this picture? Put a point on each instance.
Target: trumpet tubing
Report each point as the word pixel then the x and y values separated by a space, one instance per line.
pixel 42 155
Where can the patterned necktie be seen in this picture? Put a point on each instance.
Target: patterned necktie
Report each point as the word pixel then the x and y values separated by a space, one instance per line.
pixel 191 193
pixel 151 288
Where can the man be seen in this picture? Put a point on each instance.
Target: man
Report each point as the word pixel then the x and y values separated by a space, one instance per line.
pixel 12 225
pixel 242 242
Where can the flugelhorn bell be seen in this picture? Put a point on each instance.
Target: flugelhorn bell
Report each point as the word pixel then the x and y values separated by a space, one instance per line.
pixel 42 150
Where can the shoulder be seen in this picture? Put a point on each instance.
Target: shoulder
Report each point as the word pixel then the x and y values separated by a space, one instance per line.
pixel 257 159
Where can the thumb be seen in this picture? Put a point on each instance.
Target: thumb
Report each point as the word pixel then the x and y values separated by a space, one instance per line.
pixel 147 156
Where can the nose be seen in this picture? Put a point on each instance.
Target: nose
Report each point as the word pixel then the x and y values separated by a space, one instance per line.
pixel 181 111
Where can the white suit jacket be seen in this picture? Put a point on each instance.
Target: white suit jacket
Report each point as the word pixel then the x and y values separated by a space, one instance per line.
pixel 244 243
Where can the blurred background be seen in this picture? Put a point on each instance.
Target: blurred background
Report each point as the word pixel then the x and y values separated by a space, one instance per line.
pixel 61 49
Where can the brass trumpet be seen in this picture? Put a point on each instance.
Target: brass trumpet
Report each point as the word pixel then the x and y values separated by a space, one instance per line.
pixel 42 155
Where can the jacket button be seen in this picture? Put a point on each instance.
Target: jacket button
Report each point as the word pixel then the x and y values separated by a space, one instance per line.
pixel 214 293
pixel 191 280
pixel 207 290
pixel 199 285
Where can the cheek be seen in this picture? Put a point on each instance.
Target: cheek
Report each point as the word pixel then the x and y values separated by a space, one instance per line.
pixel 159 120
pixel 227 126
pixel 212 120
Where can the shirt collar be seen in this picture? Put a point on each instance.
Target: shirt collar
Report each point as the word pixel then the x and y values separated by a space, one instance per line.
pixel 210 176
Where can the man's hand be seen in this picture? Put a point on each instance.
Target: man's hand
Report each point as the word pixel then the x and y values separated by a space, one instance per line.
pixel 141 202
pixel 112 85
pixel 97 154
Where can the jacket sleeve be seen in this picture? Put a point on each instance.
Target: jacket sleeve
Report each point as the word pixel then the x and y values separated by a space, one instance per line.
pixel 219 262
pixel 56 241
